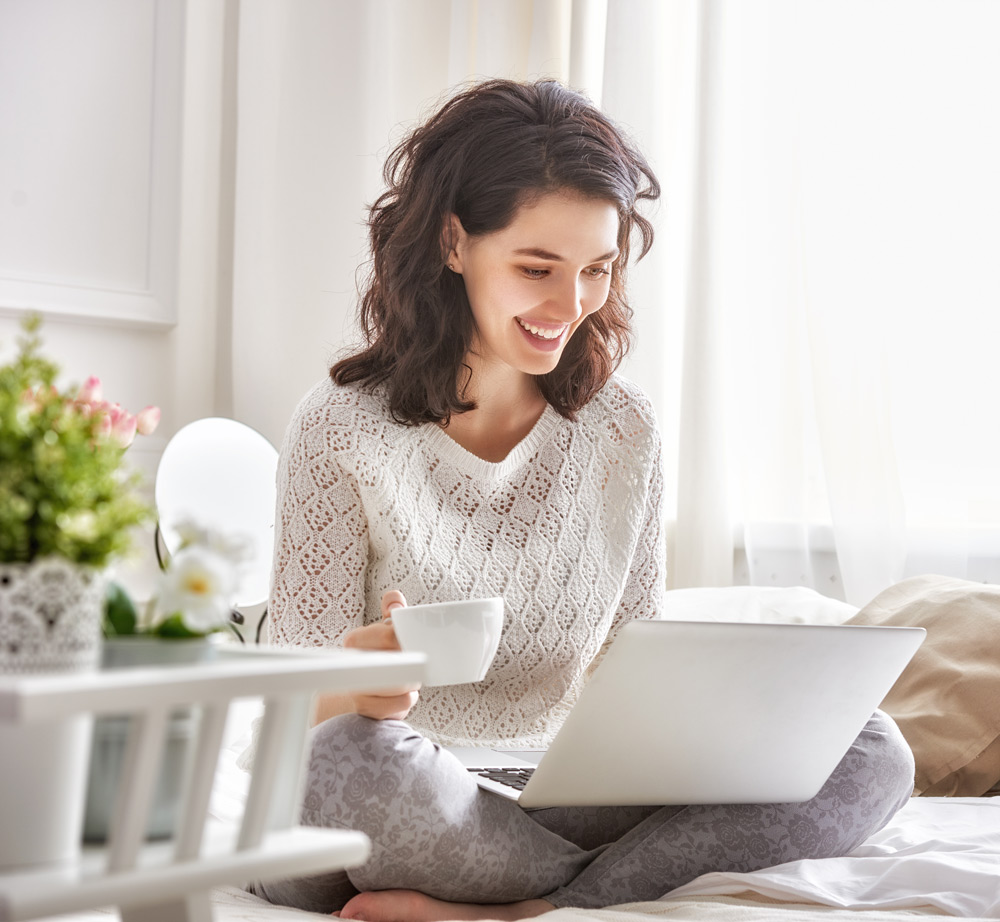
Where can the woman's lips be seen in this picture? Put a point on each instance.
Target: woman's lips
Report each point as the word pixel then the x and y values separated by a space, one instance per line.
pixel 541 337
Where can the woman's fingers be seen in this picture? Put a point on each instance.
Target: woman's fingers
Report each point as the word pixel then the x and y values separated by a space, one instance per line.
pixel 390 600
pixel 380 636
pixel 386 706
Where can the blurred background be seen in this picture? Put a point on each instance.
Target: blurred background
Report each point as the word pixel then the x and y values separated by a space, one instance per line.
pixel 183 190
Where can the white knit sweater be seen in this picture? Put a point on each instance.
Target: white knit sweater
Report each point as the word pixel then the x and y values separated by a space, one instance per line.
pixel 567 529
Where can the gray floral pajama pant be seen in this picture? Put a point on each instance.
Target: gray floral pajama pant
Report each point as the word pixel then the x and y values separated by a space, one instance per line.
pixel 434 830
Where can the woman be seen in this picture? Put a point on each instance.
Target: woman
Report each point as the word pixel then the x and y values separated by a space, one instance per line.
pixel 481 445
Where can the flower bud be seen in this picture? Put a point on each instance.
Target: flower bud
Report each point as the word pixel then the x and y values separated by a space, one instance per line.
pixel 123 429
pixel 147 420
pixel 90 390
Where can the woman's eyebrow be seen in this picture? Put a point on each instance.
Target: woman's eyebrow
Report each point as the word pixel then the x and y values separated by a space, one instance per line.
pixel 555 257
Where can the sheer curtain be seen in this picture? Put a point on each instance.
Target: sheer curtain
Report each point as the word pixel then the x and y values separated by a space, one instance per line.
pixel 854 223
pixel 815 323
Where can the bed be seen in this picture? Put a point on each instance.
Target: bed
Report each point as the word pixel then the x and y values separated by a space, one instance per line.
pixel 939 856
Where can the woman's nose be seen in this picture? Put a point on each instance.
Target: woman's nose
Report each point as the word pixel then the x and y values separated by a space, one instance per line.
pixel 569 301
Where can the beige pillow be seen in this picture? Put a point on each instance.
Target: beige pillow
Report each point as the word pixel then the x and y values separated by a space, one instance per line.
pixel 947 701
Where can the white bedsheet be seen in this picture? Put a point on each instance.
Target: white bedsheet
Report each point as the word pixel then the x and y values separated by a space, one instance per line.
pixel 938 852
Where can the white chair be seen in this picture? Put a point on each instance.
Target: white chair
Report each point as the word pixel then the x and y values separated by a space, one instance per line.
pixel 220 474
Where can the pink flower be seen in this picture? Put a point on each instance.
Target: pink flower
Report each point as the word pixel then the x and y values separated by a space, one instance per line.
pixel 147 420
pixel 114 420
pixel 90 391
pixel 123 426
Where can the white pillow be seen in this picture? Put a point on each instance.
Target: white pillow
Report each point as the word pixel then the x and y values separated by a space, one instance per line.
pixel 761 604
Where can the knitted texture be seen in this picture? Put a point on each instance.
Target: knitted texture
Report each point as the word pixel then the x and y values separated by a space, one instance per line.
pixel 566 529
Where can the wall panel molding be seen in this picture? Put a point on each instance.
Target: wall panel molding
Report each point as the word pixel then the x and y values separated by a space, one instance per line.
pixel 90 115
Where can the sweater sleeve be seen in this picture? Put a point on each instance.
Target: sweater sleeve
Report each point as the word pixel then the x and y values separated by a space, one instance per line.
pixel 321 539
pixel 642 598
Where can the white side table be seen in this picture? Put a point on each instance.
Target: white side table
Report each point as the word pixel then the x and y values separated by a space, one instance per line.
pixel 156 882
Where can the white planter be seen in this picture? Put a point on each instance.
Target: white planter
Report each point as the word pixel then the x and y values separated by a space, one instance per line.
pixel 50 621
pixel 50 616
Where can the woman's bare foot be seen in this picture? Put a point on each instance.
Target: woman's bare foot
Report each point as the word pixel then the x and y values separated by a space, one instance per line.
pixel 413 906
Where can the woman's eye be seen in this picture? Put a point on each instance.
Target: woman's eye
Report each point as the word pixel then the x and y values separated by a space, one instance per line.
pixel 533 273
pixel 597 272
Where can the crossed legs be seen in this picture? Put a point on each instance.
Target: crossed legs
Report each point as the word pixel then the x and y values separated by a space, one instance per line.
pixel 437 837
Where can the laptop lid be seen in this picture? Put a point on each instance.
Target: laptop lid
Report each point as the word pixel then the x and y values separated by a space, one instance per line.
pixel 683 712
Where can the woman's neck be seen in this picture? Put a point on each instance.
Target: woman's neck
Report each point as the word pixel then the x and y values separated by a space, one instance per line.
pixel 506 411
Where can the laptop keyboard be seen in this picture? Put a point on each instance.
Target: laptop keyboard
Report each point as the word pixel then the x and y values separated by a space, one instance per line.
pixel 512 777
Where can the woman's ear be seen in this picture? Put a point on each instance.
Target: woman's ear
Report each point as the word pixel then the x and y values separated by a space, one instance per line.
pixel 453 238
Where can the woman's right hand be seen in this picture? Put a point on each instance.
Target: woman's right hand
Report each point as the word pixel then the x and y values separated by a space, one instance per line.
pixel 393 703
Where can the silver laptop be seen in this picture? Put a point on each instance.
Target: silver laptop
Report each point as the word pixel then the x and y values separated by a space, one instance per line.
pixel 685 712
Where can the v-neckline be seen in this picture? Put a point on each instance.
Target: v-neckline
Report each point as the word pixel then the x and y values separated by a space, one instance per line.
pixel 480 468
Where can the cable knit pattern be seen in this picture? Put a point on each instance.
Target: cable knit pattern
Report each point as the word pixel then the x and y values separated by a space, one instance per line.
pixel 567 529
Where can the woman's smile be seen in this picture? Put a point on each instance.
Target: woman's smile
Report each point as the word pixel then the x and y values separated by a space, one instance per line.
pixel 531 284
pixel 547 337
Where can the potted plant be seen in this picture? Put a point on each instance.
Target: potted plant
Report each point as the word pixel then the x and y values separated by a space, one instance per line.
pixel 66 507
pixel 67 504
pixel 193 601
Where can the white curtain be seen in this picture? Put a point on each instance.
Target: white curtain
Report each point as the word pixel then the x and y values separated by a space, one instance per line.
pixel 854 225
pixel 815 323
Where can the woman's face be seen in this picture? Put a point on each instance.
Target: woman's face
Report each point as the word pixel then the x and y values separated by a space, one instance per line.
pixel 532 283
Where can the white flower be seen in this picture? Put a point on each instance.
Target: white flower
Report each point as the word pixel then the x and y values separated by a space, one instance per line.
pixel 237 549
pixel 200 585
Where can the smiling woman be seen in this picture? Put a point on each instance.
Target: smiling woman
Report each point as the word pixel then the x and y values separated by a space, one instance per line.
pixel 482 446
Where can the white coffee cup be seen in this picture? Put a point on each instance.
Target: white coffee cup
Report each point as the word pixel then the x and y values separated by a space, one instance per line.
pixel 459 638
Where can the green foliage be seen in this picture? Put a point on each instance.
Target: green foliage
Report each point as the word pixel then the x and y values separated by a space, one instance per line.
pixel 120 616
pixel 174 627
pixel 63 488
pixel 121 619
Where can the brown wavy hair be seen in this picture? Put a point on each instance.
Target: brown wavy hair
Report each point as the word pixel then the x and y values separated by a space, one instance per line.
pixel 486 152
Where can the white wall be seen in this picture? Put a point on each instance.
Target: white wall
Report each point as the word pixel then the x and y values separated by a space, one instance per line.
pixel 91 191
pixel 110 161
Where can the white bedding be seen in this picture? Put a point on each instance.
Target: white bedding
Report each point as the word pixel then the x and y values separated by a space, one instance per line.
pixel 942 853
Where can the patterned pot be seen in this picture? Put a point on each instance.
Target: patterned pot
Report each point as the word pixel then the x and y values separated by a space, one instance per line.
pixel 50 621
pixel 50 616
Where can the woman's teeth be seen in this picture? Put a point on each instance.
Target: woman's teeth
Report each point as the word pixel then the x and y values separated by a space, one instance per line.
pixel 538 331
